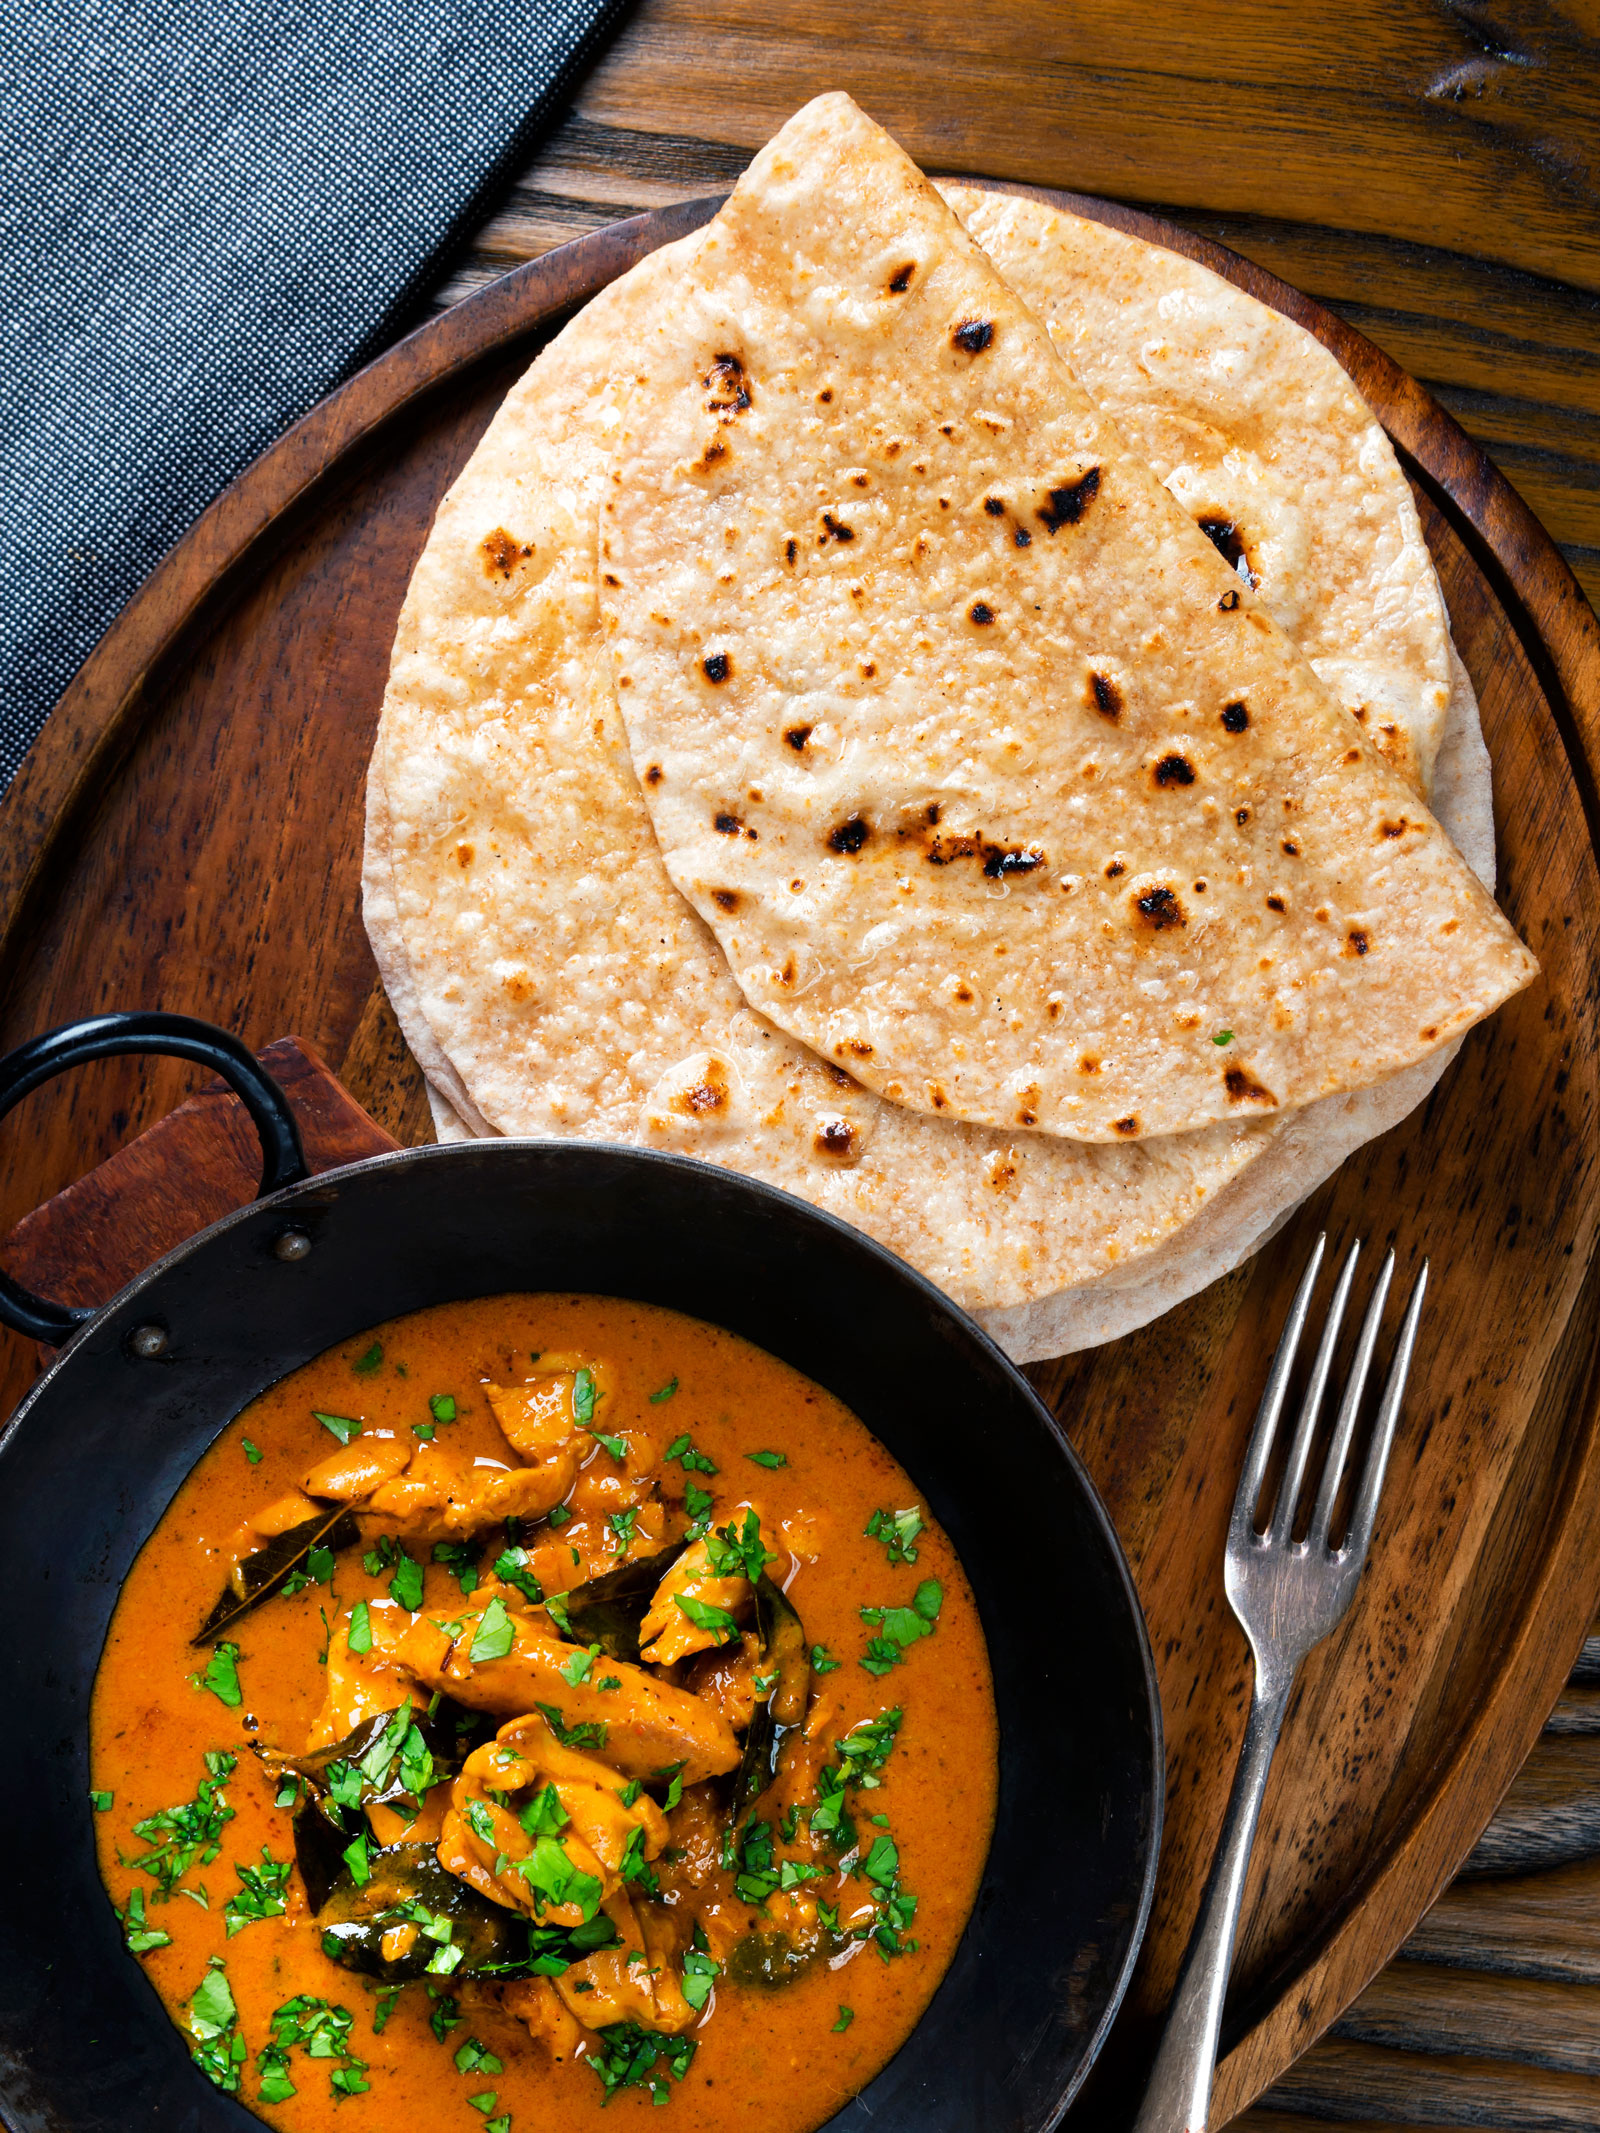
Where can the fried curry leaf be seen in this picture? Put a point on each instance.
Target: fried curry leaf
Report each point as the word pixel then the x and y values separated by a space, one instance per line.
pixel 260 1574
pixel 608 1610
pixel 784 1653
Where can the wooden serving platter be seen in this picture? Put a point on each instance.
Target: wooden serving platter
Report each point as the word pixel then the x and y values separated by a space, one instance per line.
pixel 187 835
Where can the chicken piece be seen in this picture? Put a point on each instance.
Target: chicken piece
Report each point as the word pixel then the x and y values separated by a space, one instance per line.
pixel 352 1473
pixel 647 1724
pixel 627 1982
pixel 726 1679
pixel 587 1548
pixel 535 2001
pixel 536 1419
pixel 667 1634
pixel 361 1684
pixel 510 1777
pixel 607 1484
pixel 444 1495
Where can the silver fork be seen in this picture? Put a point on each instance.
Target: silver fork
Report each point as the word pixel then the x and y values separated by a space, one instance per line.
pixel 1288 1595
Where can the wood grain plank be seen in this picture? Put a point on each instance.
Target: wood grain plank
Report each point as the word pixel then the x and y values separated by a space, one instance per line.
pixel 1416 2007
pixel 1544 1925
pixel 1365 2082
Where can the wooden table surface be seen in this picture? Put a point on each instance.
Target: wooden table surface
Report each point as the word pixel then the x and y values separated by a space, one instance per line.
pixel 1432 173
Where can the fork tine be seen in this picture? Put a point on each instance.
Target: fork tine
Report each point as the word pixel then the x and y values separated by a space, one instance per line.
pixel 1311 1406
pixel 1349 1406
pixel 1365 1515
pixel 1266 1423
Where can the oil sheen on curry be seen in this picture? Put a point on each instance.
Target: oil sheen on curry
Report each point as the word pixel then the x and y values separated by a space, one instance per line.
pixel 540 1704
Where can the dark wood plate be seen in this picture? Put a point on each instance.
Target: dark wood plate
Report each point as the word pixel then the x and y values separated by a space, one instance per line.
pixel 187 835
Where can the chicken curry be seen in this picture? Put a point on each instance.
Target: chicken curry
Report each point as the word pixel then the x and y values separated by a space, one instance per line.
pixel 537 1704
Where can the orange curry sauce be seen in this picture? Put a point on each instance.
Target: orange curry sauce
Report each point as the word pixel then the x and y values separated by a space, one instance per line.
pixel 452 2053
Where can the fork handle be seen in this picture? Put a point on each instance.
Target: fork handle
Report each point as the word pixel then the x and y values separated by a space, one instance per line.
pixel 1178 2099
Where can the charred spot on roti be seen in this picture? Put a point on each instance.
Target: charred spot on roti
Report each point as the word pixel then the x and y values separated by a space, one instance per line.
pixel 797 736
pixel 900 279
pixel 973 336
pixel 791 548
pixel 1243 1088
pixel 1235 717
pixel 1288 845
pixel 965 995
pixel 1088 1063
pixel 1127 1127
pixel 1228 541
pixel 715 450
pixel 654 774
pixel 826 395
pixel 1229 601
pixel 1430 1033
pixel 1241 815
pixel 1276 903
pixel 1160 910
pixel 464 855
pixel 1173 769
pixel 834 530
pixel 1394 829
pixel 1068 503
pixel 612 580
pixel 1107 696
pixel 981 613
pixel 1355 942
pixel 850 835
pixel 994 506
pixel 1115 868
pixel 1022 537
pixel 788 974
pixel 707 1095
pixel 726 899
pixel 857 1047
pixel 836 1137
pixel 716 666
pixel 728 387
pixel 502 552
pixel 728 824
pixel 1352 755
pixel 1028 1107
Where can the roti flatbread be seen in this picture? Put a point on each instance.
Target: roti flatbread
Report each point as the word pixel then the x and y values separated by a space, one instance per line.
pixel 994 783
pixel 1257 431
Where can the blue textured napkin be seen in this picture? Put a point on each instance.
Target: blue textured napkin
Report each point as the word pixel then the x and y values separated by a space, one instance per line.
pixel 212 212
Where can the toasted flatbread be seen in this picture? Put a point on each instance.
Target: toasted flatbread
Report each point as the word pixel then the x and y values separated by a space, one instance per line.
pixel 995 784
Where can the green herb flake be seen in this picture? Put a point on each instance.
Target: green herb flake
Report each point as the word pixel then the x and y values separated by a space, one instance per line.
pixel 632 2057
pixel 251 1451
pixel 823 1661
pixel 460 1558
pixel 697 1502
pixel 583 1397
pixel 101 1802
pixel 898 1531
pixel 424 1432
pixel 901 1627
pixel 221 1676
pixel 442 1407
pixel 544 1815
pixel 319 1561
pixel 484 2101
pixel 716 1620
pixel 576 1671
pixel 475 2057
pixel 355 1857
pixel 502 2124
pixel 264 1893
pixel 559 1516
pixel 768 1459
pixel 616 1446
pixel 656 1399
pixel 512 1568
pixel 359 1637
pixel 1222 1036
pixel 691 1460
pixel 345 1427
pixel 137 1932
pixel 580 1736
pixel 365 1365
pixel 494 1635
pixel 846 2016
pixel 405 1587
pixel 622 1524
pixel 700 1971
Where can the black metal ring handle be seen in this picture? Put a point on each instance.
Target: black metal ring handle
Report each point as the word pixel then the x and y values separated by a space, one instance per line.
pixel 32 1064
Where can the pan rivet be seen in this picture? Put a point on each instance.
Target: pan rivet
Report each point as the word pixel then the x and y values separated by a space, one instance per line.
pixel 148 1342
pixel 293 1244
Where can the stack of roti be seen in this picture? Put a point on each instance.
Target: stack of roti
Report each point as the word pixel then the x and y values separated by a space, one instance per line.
pixel 946 708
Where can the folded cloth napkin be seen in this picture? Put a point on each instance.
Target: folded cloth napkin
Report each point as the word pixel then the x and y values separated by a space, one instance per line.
pixel 213 211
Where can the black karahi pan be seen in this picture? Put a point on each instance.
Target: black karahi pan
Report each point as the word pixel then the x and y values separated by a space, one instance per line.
pixel 97 1450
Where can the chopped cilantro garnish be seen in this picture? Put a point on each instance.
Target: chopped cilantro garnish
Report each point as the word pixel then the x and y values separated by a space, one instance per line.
pixel 364 1365
pixel 697 1502
pixel 553 1878
pixel 581 1736
pixel 382 2011
pixel 405 1587
pixel 460 1558
pixel 583 1398
pixel 442 1407
pixel 445 2016
pixel 221 1676
pixel 768 1459
pixel 556 1608
pixel 735 1552
pixel 621 1524
pixel 691 1460
pixel 359 1636
pixel 101 1802
pixel 494 1635
pixel 251 1451
pixel 264 1893
pixel 898 1531
pixel 1222 1036
pixel 139 1935
pixel 484 2101
pixel 699 1970
pixel 502 2124
pixel 616 1446
pixel 901 1626
pixel 656 1399
pixel 717 1620
pixel 630 1792
pixel 219 2051
pixel 424 1432
pixel 576 1670
pixel 355 1857
pixel 544 1815
pixel 475 2057
pixel 846 2016
pixel 319 1561
pixel 559 1516
pixel 636 2058
pixel 823 1661
pixel 511 1567
pixel 635 1867
pixel 344 1427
